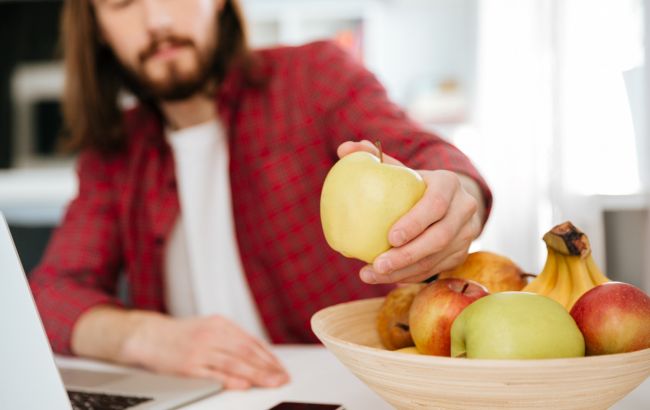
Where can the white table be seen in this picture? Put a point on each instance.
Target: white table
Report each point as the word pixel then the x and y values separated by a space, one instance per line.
pixel 317 376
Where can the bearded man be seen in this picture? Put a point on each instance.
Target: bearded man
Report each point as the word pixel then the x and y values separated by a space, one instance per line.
pixel 204 195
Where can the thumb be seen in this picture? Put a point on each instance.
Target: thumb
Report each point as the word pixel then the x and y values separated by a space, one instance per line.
pixel 349 147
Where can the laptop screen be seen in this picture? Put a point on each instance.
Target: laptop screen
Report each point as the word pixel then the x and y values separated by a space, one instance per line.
pixel 28 375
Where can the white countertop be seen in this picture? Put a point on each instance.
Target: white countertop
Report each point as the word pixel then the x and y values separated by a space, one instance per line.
pixel 318 377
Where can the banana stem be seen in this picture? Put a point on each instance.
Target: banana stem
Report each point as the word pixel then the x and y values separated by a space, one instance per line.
pixel 566 239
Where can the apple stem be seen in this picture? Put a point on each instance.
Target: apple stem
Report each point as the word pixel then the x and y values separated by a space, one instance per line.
pixel 381 152
pixel 464 288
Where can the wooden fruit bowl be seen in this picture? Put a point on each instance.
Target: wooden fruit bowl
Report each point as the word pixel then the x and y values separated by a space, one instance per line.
pixel 417 381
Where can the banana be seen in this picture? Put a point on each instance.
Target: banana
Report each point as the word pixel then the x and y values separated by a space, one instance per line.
pixel 545 281
pixel 570 270
pixel 597 276
pixel 581 280
pixel 561 292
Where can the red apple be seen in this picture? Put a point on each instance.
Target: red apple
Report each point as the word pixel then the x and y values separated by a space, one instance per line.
pixel 434 309
pixel 614 318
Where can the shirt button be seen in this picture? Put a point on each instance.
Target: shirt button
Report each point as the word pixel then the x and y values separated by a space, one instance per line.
pixel 171 184
pixel 159 240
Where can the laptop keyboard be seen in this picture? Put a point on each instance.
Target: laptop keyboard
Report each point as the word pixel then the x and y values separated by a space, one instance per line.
pixel 96 401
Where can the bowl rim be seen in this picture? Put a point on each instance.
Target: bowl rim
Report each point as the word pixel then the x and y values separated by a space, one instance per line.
pixel 317 320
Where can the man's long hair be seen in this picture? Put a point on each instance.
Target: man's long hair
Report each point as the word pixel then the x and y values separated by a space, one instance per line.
pixel 94 77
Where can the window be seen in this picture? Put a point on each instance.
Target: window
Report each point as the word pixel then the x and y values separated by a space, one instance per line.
pixel 600 88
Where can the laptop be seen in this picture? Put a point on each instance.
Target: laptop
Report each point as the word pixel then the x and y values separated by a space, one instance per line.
pixel 30 379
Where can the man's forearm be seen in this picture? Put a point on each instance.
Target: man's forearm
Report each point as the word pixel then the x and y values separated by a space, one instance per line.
pixel 109 332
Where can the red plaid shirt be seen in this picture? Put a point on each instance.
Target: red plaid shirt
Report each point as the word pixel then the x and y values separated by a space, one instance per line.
pixel 283 139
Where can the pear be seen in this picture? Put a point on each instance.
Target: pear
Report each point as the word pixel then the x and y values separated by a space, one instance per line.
pixel 393 317
pixel 362 198
pixel 497 273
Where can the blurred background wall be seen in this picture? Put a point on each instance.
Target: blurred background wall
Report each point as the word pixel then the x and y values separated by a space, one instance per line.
pixel 546 96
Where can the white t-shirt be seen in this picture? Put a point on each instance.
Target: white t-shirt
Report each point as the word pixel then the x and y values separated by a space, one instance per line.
pixel 202 269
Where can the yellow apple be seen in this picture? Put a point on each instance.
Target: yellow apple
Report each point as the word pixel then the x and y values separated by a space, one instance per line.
pixel 360 201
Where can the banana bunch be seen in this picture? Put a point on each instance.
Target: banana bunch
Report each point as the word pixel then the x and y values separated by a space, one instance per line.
pixel 570 269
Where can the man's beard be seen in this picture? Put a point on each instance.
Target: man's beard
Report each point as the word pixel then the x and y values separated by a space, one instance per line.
pixel 177 85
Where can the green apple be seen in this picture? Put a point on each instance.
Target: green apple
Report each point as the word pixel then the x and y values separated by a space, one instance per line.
pixel 360 201
pixel 516 325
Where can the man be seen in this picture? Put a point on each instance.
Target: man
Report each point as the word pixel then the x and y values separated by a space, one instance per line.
pixel 206 195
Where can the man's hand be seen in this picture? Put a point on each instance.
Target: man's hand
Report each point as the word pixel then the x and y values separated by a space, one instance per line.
pixel 208 347
pixel 435 234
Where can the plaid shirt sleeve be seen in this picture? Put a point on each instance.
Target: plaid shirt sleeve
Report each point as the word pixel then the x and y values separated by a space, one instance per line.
pixel 82 261
pixel 356 107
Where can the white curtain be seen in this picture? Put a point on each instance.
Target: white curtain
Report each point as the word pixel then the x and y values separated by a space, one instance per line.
pixel 511 139
pixel 552 126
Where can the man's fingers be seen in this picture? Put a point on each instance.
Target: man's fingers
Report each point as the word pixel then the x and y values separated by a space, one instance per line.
pixel 448 262
pixel 349 147
pixel 451 261
pixel 238 342
pixel 433 240
pixel 432 207
pixel 249 354
pixel 250 347
pixel 263 351
pixel 453 255
pixel 417 278
pixel 421 270
pixel 239 368
pixel 262 354
pixel 229 382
